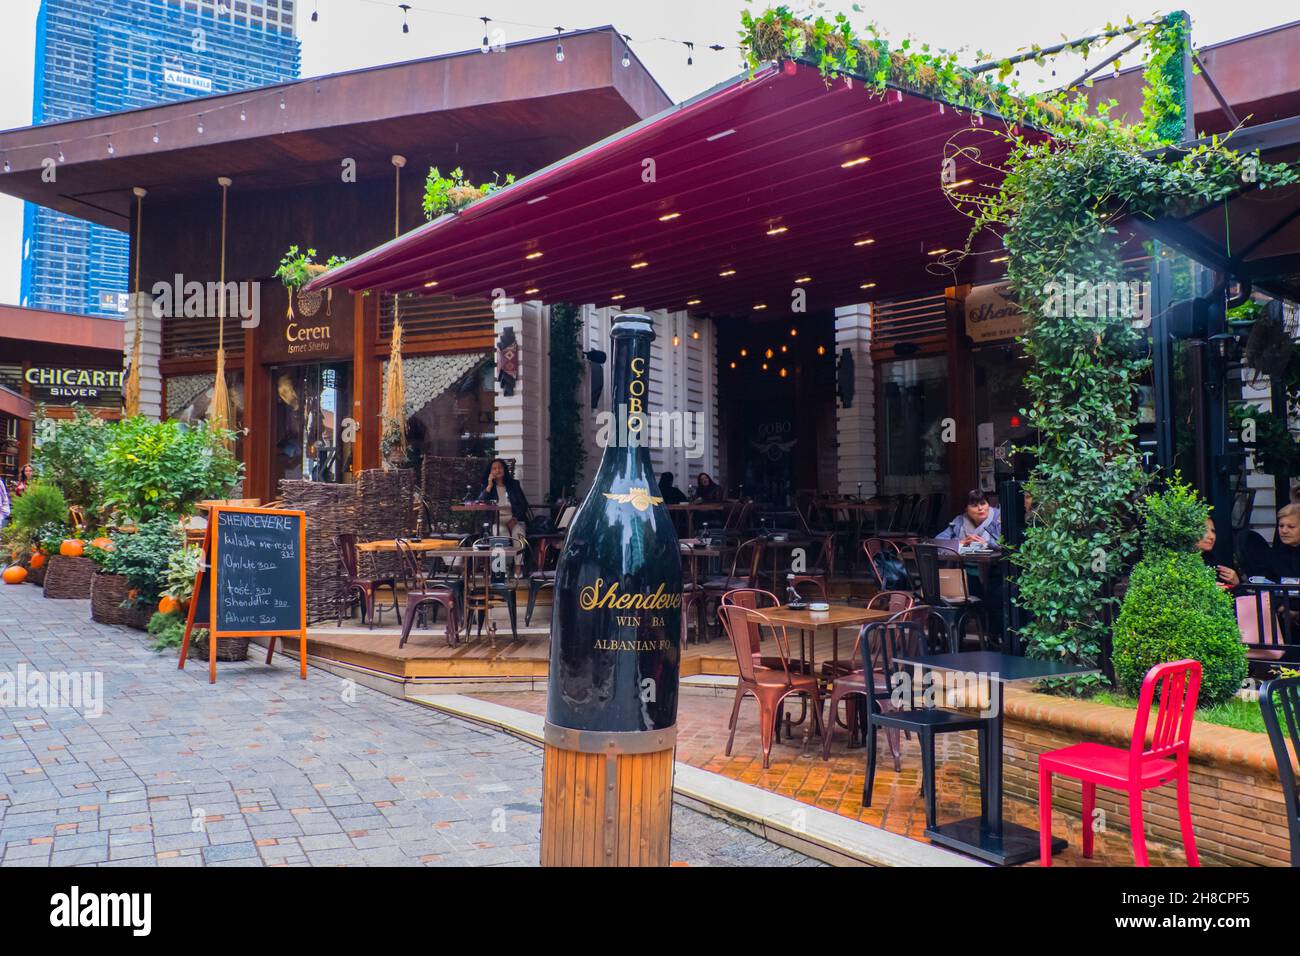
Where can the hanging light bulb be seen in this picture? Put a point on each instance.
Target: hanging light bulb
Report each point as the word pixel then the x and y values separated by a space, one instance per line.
pixel 559 47
pixel 486 45
pixel 200 123
pixel 243 116
pixel 406 27
pixel 60 154
pixel 7 166
pixel 690 52
pixel 281 101
pixel 627 54
pixel 155 134
pixel 111 150
pixel 314 14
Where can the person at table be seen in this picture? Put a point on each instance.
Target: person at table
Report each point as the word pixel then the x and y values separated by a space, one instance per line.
pixel 506 493
pixel 979 524
pixel 1227 577
pixel 669 492
pixel 707 491
pixel 25 478
pixel 1280 561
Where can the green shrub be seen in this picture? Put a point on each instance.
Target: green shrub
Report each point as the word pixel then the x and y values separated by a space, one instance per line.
pixel 41 504
pixel 169 630
pixel 1174 519
pixel 69 455
pixel 1174 610
pixel 163 468
pixel 143 557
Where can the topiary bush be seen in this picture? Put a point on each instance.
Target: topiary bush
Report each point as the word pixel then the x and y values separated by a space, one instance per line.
pixel 40 504
pixel 1174 607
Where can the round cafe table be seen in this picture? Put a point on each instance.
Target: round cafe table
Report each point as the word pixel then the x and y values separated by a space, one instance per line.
pixel 483 506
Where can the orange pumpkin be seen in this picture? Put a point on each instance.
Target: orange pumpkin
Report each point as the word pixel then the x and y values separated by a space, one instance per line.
pixel 15 574
pixel 72 548
pixel 105 544
pixel 37 561
pixel 168 605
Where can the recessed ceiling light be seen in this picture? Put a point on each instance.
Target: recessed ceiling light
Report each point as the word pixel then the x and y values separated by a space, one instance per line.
pixel 640 265
pixel 533 255
pixel 936 252
pixel 864 242
pixel 669 216
pixel 867 285
pixel 530 291
pixel 802 279
pixel 718 136
pixel 616 298
pixel 537 199
pixel 1001 259
pixel 777 230
pixel 855 162
pixel 744 353
pixel 431 283
pixel 727 272
pixel 760 307
pixel 692 301
pixel 960 182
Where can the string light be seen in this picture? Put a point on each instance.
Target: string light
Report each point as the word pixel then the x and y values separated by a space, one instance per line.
pixel 60 154
pixel 111 150
pixel 281 101
pixel 559 47
pixel 155 134
pixel 315 16
pixel 200 126
pixel 627 54
pixel 7 166
pixel 486 45
pixel 406 7
pixel 243 116
pixel 690 52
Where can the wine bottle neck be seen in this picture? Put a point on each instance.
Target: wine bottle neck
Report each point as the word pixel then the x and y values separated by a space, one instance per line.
pixel 630 392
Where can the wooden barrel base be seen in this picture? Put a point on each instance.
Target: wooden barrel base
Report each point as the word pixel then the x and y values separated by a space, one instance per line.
pixel 606 809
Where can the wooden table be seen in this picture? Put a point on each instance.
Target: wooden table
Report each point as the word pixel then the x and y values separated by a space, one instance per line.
pixel 691 550
pixel 691 507
pixel 420 545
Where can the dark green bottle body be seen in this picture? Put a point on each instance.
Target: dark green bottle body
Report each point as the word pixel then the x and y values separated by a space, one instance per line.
pixel 616 623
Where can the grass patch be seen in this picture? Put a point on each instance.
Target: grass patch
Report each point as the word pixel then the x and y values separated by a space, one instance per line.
pixel 1235 712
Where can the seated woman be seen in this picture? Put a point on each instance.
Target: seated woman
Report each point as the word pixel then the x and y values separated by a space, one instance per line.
pixel 670 493
pixel 1228 578
pixel 979 524
pixel 1280 561
pixel 706 490
pixel 503 490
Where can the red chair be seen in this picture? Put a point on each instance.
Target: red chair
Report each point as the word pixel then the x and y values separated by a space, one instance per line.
pixel 769 686
pixel 1136 769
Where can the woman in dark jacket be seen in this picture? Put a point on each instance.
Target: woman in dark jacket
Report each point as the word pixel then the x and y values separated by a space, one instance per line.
pixel 706 489
pixel 1280 561
pixel 502 490
pixel 669 492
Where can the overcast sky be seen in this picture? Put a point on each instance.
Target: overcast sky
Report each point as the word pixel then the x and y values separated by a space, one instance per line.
pixel 357 33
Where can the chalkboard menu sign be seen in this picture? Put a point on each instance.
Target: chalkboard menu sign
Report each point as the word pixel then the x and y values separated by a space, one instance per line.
pixel 253 582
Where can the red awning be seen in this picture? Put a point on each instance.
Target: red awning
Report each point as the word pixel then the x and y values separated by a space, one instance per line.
pixel 720 204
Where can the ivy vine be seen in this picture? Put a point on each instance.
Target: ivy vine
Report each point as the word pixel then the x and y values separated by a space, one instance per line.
pixel 568 453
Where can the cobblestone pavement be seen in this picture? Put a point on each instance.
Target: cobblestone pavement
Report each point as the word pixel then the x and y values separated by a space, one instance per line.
pixel 836 784
pixel 261 768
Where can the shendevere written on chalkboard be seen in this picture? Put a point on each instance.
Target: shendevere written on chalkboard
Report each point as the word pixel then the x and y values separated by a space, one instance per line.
pixel 259 572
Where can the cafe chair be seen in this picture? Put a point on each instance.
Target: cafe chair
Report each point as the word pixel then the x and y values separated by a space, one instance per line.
pixel 850 683
pixel 885 562
pixel 745 572
pixel 1135 769
pixel 363 587
pixel 548 545
pixel 770 686
pixel 896 709
pixel 821 571
pixel 947 591
pixel 421 593
pixel 1279 701
pixel 489 588
pixel 756 599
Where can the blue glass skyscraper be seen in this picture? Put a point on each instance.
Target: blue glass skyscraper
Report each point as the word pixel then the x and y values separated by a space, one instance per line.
pixel 94 56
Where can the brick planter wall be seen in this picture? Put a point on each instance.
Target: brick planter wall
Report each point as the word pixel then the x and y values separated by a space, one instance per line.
pixel 1237 806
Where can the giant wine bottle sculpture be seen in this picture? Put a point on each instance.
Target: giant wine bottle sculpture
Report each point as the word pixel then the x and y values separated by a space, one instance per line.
pixel 611 711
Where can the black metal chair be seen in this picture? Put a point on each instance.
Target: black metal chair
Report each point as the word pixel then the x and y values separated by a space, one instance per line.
pixel 954 603
pixel 1279 701
pixel 547 545
pixel 421 594
pixel 489 586
pixel 896 709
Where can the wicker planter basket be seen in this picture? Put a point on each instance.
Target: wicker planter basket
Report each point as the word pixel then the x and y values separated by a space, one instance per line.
pixel 107 592
pixel 228 648
pixel 37 575
pixel 69 578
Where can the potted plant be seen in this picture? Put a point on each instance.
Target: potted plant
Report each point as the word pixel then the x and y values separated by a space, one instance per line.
pixel 134 572
pixel 298 268
pixel 444 194
pixel 152 469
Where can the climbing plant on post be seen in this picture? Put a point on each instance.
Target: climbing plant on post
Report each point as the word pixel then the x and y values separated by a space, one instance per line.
pixel 568 453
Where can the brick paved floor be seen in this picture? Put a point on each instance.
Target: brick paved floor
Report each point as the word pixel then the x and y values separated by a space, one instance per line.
pixel 262 768
pixel 837 784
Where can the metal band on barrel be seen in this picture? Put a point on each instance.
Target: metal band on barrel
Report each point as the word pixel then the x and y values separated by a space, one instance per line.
pixel 610 742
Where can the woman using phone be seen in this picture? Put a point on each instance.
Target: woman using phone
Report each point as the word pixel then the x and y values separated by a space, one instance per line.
pixel 503 491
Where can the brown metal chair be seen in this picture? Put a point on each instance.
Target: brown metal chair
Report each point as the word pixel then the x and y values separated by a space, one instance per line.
pixel 822 570
pixel 420 592
pixel 851 682
pixel 769 686
pixel 354 583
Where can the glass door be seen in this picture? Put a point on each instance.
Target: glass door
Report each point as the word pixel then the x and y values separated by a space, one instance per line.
pixel 309 417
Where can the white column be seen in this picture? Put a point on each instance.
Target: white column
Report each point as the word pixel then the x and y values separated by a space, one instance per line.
pixel 140 306
pixel 523 419
pixel 855 427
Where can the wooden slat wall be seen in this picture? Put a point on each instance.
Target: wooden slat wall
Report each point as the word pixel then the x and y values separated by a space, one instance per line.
pixel 920 322
pixel 432 316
